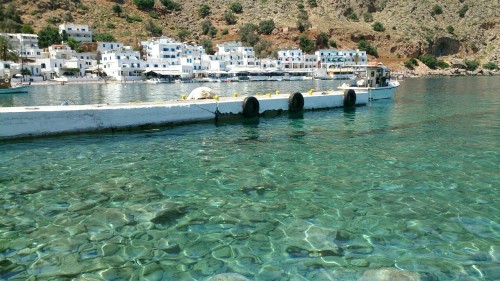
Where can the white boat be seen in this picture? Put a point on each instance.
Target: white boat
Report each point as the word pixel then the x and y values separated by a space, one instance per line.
pixel 7 88
pixel 376 80
pixel 341 73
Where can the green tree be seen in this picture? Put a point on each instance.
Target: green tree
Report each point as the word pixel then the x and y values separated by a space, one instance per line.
pixel 264 49
pixel 322 40
pixel 27 29
pixel 144 4
pixel 248 33
pixel 229 18
pixel 117 9
pixel 352 16
pixel 368 17
pixel 25 72
pixel 266 26
pixel 365 46
pixel 442 64
pixel 377 26
pixel 207 45
pixel 171 5
pixel 103 37
pixel 236 7
pixel 463 10
pixel 436 10
pixel 205 26
pixel 6 50
pixel 212 32
pixel 450 29
pixel 471 65
pixel 490 66
pixel 73 44
pixel 429 60
pixel 204 11
pixel 306 44
pixel 312 3
pixel 183 33
pixel 152 28
pixel 48 36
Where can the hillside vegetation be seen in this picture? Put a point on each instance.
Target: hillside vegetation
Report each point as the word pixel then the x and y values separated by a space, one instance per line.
pixel 396 29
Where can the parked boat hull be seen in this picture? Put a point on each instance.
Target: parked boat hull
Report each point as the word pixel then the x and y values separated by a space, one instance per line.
pixel 15 90
pixel 374 93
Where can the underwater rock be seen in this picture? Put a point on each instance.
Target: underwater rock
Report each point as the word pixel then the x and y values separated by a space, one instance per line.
pixel 222 253
pixel 167 217
pixel 359 262
pixel 389 274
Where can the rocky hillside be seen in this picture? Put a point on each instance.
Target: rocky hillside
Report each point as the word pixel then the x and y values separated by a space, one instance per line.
pixel 453 29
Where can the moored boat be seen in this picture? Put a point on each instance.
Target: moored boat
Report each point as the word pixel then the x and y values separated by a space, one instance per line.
pixel 341 73
pixel 7 88
pixel 376 80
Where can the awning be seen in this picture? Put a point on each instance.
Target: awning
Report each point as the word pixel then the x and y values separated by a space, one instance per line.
pixel 164 72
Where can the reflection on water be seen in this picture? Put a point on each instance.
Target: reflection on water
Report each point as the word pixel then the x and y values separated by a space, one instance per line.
pixel 406 183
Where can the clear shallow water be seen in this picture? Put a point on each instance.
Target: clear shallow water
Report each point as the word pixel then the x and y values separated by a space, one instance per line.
pixel 410 183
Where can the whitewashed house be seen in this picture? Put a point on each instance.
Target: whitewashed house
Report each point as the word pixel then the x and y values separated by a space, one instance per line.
pixel 333 58
pixel 235 55
pixel 291 59
pixel 162 50
pixel 25 44
pixel 51 68
pixel 79 32
pixel 108 46
pixel 123 65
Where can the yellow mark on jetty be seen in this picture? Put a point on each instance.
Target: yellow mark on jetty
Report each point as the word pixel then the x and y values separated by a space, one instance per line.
pixel 216 98
pixel 268 95
pixel 183 97
pixel 235 94
pixel 277 92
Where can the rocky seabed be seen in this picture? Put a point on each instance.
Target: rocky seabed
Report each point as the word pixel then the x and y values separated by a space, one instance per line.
pixel 210 238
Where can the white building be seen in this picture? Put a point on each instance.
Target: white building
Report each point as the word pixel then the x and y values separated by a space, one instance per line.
pixel 291 59
pixel 79 32
pixel 61 51
pixel 123 65
pixel 108 46
pixel 25 44
pixel 234 54
pixel 51 67
pixel 333 58
pixel 162 50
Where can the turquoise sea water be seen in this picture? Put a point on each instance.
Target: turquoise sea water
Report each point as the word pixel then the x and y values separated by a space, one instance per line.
pixel 410 183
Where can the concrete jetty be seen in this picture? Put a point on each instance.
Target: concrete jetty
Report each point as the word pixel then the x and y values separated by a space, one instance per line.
pixel 33 121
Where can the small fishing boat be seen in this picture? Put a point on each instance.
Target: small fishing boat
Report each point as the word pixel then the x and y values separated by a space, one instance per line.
pixel 376 80
pixel 7 88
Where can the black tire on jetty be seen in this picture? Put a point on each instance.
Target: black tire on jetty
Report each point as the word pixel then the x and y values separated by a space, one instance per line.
pixel 295 102
pixel 349 98
pixel 250 107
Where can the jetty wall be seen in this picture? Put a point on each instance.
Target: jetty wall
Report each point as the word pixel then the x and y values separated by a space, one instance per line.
pixel 17 122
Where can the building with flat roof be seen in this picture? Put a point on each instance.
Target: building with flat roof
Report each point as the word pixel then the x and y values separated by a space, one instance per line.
pixel 79 32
